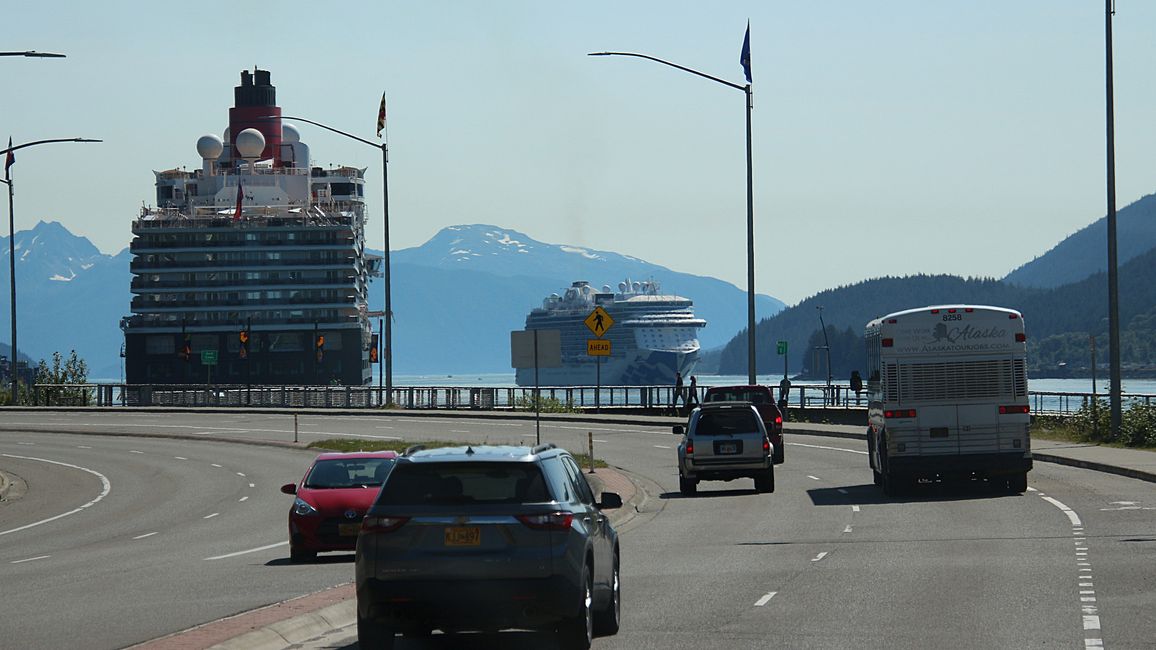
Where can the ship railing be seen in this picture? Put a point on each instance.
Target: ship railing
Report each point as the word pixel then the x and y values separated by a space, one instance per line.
pixel 639 399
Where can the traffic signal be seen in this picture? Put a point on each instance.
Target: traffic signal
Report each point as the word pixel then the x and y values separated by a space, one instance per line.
pixel 243 336
pixel 320 347
pixel 186 351
pixel 373 345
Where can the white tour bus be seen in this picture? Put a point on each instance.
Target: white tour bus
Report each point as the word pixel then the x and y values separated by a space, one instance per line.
pixel 948 392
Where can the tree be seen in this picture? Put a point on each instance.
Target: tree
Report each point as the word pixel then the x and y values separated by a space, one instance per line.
pixel 63 372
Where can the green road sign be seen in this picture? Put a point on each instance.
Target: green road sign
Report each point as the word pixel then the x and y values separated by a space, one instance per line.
pixel 782 347
pixel 209 357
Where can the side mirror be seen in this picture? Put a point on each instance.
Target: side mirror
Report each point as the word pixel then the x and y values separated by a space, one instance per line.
pixel 678 430
pixel 610 500
pixel 289 488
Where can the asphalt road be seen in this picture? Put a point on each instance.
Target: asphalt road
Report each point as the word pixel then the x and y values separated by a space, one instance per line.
pixel 825 561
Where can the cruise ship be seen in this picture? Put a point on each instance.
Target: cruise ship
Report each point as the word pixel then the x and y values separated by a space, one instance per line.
pixel 653 336
pixel 252 269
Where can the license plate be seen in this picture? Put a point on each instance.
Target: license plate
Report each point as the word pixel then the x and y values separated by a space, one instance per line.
pixel 728 448
pixel 463 536
pixel 348 530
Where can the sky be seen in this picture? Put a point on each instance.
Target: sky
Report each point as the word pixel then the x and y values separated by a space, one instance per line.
pixel 889 137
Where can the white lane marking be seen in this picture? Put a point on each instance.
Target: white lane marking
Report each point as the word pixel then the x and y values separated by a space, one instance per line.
pixel 852 451
pixel 1093 643
pixel 83 447
pixel 1121 503
pixel 31 559
pixel 597 440
pixel 240 474
pixel 252 485
pixel 216 465
pixel 1067 511
pixel 819 556
pixel 814 478
pixel 106 487
pixel 765 599
pixel 1032 489
pixel 180 457
pixel 1081 548
pixel 133 451
pixel 662 447
pixel 854 508
pixel 847 529
pixel 1086 584
pixel 372 437
pixel 1091 592
pixel 210 516
pixel 380 427
pixel 242 499
pixel 252 550
pixel 459 431
pixel 1087 599
pixel 145 535
pixel 27 444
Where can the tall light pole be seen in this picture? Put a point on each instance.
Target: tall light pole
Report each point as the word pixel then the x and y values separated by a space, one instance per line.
pixel 384 146
pixel 827 347
pixel 1113 287
pixel 8 157
pixel 750 200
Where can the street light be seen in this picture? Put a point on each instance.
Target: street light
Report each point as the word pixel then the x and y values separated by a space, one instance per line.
pixel 1113 285
pixel 6 153
pixel 388 360
pixel 34 54
pixel 750 200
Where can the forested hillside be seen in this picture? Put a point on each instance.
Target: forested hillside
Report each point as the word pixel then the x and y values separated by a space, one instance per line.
pixel 1059 321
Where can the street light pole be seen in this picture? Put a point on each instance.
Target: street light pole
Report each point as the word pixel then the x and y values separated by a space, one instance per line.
pixel 1113 285
pixel 827 347
pixel 12 241
pixel 388 360
pixel 750 200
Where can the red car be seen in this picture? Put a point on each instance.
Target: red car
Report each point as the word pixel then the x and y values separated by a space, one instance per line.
pixel 760 397
pixel 332 499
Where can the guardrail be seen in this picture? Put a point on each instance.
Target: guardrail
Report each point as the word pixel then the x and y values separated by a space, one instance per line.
pixel 657 398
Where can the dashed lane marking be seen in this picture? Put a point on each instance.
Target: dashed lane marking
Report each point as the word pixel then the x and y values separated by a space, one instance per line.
pixel 216 465
pixel 819 556
pixel 661 447
pixel 850 451
pixel 210 516
pixel 854 508
pixel 252 550
pixel 30 559
pixel 814 478
pixel 145 535
pixel 765 599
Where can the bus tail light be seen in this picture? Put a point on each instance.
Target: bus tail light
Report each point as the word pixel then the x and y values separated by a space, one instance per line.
pixel 1021 337
pixel 887 342
pixel 1013 409
pixel 689 448
pixel 901 413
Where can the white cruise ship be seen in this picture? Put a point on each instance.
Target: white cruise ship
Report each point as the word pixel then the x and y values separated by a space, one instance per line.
pixel 653 336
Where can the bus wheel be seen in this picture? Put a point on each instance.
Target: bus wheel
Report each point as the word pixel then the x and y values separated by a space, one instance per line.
pixel 1017 483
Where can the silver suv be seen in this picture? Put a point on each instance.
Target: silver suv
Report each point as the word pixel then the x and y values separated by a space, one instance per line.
pixel 724 441
pixel 487 538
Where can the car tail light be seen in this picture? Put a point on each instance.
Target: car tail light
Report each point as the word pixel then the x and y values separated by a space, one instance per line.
pixel 375 524
pixel 689 448
pixel 766 446
pixel 1013 316
pixel 902 413
pixel 552 521
pixel 1014 408
pixel 778 421
pixel 1021 337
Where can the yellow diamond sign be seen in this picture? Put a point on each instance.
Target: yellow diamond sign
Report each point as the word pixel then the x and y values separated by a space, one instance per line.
pixel 599 321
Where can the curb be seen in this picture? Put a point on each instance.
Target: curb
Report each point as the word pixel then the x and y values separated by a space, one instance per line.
pixel 1094 466
pixel 295 630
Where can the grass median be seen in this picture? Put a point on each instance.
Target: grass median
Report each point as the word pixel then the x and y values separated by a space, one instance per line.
pixel 360 444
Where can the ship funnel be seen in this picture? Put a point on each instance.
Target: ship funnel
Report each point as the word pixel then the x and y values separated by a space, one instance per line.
pixel 255 107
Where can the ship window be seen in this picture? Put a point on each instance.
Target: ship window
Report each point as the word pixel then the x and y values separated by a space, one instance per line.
pixel 163 344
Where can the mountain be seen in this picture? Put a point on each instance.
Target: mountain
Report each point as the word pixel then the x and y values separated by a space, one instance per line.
pixel 1085 252
pixel 455 298
pixel 1059 320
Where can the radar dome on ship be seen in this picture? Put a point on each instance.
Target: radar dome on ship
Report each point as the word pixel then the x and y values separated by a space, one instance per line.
pixel 289 134
pixel 621 287
pixel 209 147
pixel 250 143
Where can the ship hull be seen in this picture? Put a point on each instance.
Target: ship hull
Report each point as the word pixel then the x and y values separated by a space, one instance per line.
pixel 639 368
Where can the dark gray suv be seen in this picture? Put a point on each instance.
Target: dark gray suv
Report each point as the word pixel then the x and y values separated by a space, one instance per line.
pixel 487 538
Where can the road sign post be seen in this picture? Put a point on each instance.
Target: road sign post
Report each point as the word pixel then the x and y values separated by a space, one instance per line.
pixel 781 348
pixel 598 322
pixel 208 360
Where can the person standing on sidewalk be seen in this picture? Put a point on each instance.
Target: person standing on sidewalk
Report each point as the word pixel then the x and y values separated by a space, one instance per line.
pixel 692 395
pixel 678 392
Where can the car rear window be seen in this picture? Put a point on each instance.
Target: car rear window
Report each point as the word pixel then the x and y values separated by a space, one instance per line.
pixel 728 422
pixel 456 483
pixel 347 473
pixel 754 397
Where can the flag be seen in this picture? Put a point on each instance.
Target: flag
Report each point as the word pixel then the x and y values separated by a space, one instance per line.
pixel 9 159
pixel 240 198
pixel 381 116
pixel 745 55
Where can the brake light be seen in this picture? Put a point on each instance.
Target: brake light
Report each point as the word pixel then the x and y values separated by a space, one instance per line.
pixel 888 342
pixel 1021 337
pixel 552 521
pixel 374 524
pixel 766 446
pixel 689 448
pixel 778 421
pixel 1013 316
pixel 902 413
pixel 1013 409
pixel 968 310
pixel 935 311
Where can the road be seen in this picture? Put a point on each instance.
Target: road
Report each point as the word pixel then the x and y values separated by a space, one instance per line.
pixel 825 561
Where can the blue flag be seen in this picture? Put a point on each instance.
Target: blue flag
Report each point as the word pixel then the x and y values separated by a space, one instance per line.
pixel 745 55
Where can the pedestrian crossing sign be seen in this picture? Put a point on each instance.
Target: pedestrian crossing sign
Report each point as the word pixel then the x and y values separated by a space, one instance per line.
pixel 599 321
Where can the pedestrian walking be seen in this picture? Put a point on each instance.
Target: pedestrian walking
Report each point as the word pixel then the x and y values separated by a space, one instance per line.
pixel 678 391
pixel 692 397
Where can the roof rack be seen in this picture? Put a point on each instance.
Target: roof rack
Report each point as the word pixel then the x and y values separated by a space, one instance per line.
pixel 412 449
pixel 546 446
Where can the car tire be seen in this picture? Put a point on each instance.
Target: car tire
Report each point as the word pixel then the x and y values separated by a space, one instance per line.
pixel 577 633
pixel 373 636
pixel 298 556
pixel 765 482
pixel 688 486
pixel 609 619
